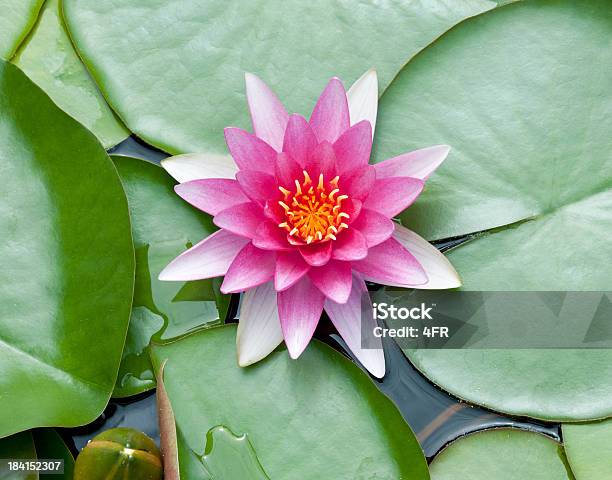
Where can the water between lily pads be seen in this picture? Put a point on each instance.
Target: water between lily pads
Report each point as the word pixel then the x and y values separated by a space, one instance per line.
pixel 436 417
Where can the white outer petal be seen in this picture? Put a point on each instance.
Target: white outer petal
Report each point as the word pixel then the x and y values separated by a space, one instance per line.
pixel 363 99
pixel 441 273
pixel 196 166
pixel 348 318
pixel 259 329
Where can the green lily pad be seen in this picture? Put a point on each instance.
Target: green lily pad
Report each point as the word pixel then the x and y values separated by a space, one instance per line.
pixel 526 117
pixel 501 455
pixel 39 444
pixel 17 19
pixel 316 417
pixel 589 449
pixel 174 70
pixel 163 226
pixel 505 110
pixel 48 58
pixel 68 263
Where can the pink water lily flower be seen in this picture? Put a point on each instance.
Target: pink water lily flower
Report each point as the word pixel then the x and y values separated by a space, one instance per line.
pixel 305 220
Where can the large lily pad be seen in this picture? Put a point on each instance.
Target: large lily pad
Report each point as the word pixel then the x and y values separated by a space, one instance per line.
pixel 317 417
pixel 163 226
pixel 17 19
pixel 506 110
pixel 174 69
pixel 589 449
pixel 501 455
pixel 522 95
pixel 67 263
pixel 48 58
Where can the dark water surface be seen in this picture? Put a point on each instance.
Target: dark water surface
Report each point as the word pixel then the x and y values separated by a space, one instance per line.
pixel 436 417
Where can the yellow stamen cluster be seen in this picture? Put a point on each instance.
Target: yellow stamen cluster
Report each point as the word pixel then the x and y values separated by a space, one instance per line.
pixel 313 211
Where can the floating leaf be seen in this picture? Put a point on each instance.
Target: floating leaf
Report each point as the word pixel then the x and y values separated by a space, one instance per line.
pixel 163 226
pixel 48 58
pixel 18 17
pixel 322 404
pixel 589 449
pixel 178 82
pixel 50 446
pixel 527 117
pixel 501 455
pixel 18 447
pixel 67 263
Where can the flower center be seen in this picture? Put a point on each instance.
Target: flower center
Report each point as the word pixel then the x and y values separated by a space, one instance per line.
pixel 313 212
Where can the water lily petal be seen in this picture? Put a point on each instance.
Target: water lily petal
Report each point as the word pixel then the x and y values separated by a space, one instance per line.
pixel 390 196
pixel 209 258
pixel 287 171
pixel 269 236
pixel 290 267
pixel 299 309
pixel 363 99
pixel 374 226
pixel 354 146
pixel 441 274
pixel 194 166
pixel 211 195
pixel 259 186
pixel 268 114
pixel 330 116
pixel 251 267
pixel 348 319
pixel 350 245
pixel 390 263
pixel 242 219
pixel 359 182
pixel 249 152
pixel 352 207
pixel 273 211
pixel 316 254
pixel 259 330
pixel 299 139
pixel 333 279
pixel 322 160
pixel 418 164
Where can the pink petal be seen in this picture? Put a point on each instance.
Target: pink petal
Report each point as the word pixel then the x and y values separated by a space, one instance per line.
pixel 351 245
pixel 194 166
pixel 267 112
pixel 209 258
pixel 211 195
pixel 322 160
pixel 359 182
pixel 350 318
pixel 334 280
pixel 374 226
pixel 273 211
pixel 317 254
pixel 242 219
pixel 259 330
pixel 251 267
pixel 290 267
pixel 269 236
pixel 418 164
pixel 352 207
pixel 287 171
pixel 299 139
pixel 259 186
pixel 354 146
pixel 249 152
pixel 330 117
pixel 390 196
pixel 391 263
pixel 299 309
pixel 439 270
pixel 363 99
